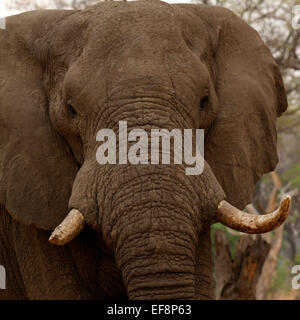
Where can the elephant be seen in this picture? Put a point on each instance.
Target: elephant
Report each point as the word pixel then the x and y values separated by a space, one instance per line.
pixel 71 228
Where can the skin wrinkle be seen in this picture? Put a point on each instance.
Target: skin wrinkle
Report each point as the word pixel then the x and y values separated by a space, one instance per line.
pixel 164 286
pixel 186 117
pixel 116 91
pixel 156 282
pixel 145 266
pixel 170 232
pixel 144 204
pixel 173 284
pixel 162 296
pixel 162 217
pixel 128 184
pixel 137 184
pixel 131 265
pixel 160 232
pixel 161 102
pixel 119 110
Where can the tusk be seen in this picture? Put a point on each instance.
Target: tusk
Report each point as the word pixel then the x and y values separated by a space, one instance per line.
pixel 249 223
pixel 71 226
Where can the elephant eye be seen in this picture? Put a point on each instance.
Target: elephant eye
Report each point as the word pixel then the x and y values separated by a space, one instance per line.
pixel 71 110
pixel 204 102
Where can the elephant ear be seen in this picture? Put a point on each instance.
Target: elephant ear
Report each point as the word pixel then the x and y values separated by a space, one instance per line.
pixel 241 144
pixel 36 166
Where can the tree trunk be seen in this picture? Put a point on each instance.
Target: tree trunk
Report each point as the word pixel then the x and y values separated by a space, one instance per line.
pixel 236 279
pixel 275 243
pixel 269 266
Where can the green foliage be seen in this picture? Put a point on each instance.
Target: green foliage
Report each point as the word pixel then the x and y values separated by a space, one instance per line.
pixel 293 175
pixel 282 276
pixel 297 257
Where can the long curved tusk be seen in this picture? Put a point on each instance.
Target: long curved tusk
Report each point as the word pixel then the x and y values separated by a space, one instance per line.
pixel 250 223
pixel 71 226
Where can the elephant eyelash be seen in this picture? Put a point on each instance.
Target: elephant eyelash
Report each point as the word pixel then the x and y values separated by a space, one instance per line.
pixel 72 110
pixel 204 102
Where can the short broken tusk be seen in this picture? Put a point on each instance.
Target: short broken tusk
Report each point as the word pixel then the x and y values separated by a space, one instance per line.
pixel 71 226
pixel 250 223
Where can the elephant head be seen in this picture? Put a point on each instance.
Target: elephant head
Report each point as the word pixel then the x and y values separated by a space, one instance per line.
pixel 65 74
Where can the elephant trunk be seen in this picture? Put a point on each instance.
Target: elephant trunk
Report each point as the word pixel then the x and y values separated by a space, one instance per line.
pixel 153 230
pixel 157 263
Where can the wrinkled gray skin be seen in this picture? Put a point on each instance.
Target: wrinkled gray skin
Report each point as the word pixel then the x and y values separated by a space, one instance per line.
pixel 64 75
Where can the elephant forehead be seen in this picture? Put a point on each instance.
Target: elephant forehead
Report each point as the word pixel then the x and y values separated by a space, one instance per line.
pixel 151 43
pixel 121 28
pixel 134 15
pixel 144 24
pixel 133 31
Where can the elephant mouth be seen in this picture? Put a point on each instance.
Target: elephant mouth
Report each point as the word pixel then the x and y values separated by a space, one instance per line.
pixel 226 214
